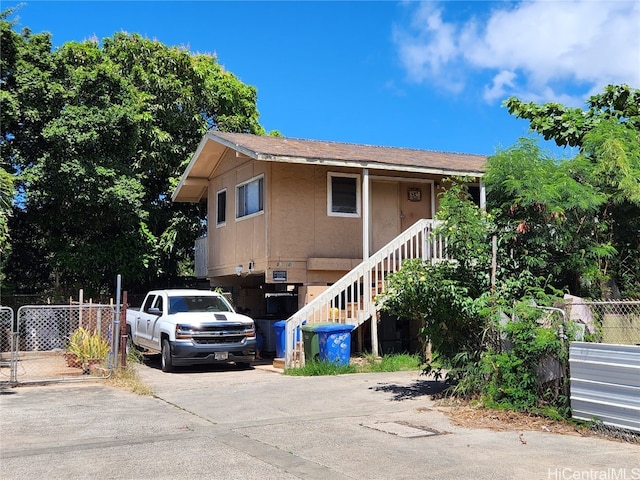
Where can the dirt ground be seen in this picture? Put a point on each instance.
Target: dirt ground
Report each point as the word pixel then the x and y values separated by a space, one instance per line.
pixel 475 417
pixel 468 416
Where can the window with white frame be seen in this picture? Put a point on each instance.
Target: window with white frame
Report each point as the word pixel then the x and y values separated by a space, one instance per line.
pixel 343 194
pixel 250 197
pixel 221 207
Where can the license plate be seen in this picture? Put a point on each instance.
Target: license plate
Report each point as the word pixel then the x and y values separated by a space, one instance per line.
pixel 221 355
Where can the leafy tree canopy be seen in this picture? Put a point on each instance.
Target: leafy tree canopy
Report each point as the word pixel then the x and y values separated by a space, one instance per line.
pixel 568 126
pixel 576 220
pixel 98 135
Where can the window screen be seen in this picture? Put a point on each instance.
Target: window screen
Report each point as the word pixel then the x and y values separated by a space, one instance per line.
pixel 250 197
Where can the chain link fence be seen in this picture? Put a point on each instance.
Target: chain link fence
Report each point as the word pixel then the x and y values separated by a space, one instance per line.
pixel 7 350
pixel 56 342
pixel 616 322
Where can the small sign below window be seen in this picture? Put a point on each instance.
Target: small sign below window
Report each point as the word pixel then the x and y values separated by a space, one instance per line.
pixel 414 194
pixel 279 276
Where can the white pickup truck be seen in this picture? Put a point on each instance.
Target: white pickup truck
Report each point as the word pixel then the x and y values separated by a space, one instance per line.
pixel 190 327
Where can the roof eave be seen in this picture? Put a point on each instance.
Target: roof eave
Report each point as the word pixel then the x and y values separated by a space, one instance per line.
pixel 365 164
pixel 187 180
pixel 232 145
pixel 187 171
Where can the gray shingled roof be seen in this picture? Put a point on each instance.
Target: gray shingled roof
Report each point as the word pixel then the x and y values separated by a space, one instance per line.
pixel 281 149
pixel 194 182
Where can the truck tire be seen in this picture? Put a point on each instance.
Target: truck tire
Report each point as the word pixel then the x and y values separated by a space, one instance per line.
pixel 165 357
pixel 130 346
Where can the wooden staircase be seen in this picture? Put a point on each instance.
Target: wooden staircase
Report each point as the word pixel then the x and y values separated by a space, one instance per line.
pixel 352 299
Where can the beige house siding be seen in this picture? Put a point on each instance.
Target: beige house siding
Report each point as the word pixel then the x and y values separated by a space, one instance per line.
pixel 305 230
pixel 295 232
pixel 239 240
pixel 294 235
pixel 300 229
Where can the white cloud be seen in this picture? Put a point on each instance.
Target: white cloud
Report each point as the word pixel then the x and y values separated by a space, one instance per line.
pixel 432 47
pixel 538 50
pixel 502 82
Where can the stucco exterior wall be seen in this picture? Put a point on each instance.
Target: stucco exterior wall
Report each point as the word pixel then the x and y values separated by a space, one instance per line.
pixel 238 241
pixel 306 230
pixel 294 233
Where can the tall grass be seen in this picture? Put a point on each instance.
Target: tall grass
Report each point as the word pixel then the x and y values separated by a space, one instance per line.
pixel 128 378
pixel 395 363
pixel 368 364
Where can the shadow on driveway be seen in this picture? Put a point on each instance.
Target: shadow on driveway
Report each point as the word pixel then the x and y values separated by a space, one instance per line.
pixel 415 390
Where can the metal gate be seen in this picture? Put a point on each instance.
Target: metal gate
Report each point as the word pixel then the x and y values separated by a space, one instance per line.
pixel 36 343
pixel 7 350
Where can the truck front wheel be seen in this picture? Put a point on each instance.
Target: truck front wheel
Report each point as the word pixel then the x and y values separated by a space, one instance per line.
pixel 167 363
pixel 131 347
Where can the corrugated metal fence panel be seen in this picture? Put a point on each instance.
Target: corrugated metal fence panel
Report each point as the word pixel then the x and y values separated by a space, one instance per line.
pixel 605 383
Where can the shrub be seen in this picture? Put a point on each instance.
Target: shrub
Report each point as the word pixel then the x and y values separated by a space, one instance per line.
pixel 88 346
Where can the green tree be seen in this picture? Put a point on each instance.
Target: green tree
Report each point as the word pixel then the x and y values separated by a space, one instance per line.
pixel 610 163
pixel 547 220
pixel 8 114
pixel 6 196
pixel 568 126
pixel 99 136
pixel 580 215
pixel 469 321
pixel 448 297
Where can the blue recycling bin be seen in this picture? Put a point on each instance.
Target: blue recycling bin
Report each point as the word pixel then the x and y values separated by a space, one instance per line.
pixel 280 331
pixel 334 343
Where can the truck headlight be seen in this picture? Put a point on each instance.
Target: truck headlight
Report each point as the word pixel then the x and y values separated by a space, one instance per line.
pixel 184 331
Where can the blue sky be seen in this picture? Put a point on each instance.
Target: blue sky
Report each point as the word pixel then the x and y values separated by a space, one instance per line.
pixel 429 75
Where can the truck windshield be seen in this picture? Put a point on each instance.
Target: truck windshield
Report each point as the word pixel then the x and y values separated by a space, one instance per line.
pixel 197 304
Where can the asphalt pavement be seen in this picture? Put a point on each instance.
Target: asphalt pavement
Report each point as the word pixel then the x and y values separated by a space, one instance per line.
pixel 226 423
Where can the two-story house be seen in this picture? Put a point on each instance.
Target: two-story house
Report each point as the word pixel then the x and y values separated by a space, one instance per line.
pixel 289 217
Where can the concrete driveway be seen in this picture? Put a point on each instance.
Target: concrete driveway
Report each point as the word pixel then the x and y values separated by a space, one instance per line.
pixel 225 423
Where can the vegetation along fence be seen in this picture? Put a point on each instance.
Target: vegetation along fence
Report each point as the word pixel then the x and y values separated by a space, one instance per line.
pixel 44 343
pixel 605 371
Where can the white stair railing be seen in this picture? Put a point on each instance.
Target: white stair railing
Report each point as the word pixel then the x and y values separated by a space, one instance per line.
pixel 351 300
